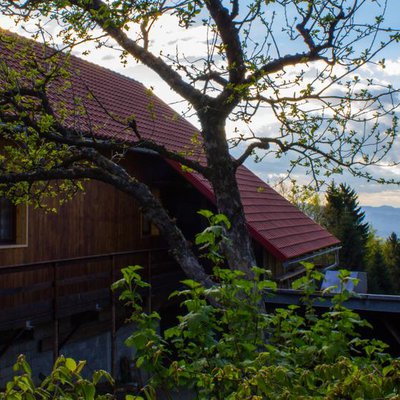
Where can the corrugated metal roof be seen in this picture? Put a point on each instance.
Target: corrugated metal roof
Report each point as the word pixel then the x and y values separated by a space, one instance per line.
pixel 278 225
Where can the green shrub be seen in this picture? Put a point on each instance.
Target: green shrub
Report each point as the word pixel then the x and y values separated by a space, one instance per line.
pixel 65 382
pixel 225 346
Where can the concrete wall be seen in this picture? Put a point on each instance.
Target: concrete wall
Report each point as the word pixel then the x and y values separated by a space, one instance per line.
pixel 95 349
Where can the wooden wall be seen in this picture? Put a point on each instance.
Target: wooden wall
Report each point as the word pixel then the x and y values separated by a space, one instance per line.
pixel 96 223
pixel 100 221
pixel 88 224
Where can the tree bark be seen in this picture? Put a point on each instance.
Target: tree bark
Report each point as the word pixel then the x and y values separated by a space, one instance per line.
pixel 239 250
pixel 179 246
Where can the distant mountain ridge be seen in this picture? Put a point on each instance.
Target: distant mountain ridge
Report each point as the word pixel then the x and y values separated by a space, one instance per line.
pixel 384 219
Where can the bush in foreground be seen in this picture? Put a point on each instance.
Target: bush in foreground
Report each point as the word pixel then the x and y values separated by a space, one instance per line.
pixel 226 346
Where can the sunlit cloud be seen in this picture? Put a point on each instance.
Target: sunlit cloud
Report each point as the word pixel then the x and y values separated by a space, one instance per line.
pixel 385 196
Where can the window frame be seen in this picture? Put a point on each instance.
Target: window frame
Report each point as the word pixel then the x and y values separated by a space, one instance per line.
pixel 147 228
pixel 11 213
pixel 19 226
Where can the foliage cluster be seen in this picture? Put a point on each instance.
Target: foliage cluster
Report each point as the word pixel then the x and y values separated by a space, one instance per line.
pixel 305 198
pixel 345 219
pixel 362 249
pixel 383 264
pixel 322 105
pixel 65 382
pixel 227 345
pixel 228 349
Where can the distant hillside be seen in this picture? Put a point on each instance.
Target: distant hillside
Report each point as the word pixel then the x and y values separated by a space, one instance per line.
pixel 384 219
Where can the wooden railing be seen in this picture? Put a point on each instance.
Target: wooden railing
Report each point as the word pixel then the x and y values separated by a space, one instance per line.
pixel 75 278
pixel 45 291
pixel 285 281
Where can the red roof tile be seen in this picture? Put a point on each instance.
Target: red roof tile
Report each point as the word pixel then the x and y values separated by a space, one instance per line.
pixel 278 225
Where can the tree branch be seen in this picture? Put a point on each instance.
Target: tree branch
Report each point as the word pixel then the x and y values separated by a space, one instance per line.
pixel 230 39
pixel 96 9
pixel 72 137
pixel 282 62
pixel 150 207
pixel 262 143
pixel 315 50
pixel 214 76
pixel 235 9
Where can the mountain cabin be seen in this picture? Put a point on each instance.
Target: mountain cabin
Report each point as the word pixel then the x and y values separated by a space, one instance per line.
pixel 56 268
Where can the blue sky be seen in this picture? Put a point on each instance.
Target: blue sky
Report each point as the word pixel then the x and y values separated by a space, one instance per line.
pixel 167 37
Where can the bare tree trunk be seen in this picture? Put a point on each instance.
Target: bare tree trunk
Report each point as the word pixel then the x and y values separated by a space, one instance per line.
pixel 239 252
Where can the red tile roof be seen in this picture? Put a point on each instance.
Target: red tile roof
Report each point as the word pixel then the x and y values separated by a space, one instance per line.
pixel 275 223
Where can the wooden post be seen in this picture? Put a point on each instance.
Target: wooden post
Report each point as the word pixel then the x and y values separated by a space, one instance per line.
pixel 113 322
pixel 149 305
pixel 337 258
pixel 55 313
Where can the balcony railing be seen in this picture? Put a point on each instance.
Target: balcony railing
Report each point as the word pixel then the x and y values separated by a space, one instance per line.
pixel 46 291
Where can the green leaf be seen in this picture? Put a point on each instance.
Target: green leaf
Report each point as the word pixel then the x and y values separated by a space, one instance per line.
pixel 206 213
pixel 171 332
pixel 204 237
pixel 88 390
pixel 191 283
pixel 222 218
pixel 70 364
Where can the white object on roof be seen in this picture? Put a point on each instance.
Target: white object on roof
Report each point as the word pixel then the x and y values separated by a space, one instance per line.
pixel 332 279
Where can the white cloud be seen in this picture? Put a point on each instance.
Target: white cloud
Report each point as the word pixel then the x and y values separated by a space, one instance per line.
pixel 392 68
pixel 384 197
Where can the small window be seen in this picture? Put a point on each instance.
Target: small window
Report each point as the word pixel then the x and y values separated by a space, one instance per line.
pixel 8 223
pixel 13 224
pixel 147 227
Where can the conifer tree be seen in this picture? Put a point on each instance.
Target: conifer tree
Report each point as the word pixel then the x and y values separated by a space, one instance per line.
pixel 378 273
pixel 392 258
pixel 344 218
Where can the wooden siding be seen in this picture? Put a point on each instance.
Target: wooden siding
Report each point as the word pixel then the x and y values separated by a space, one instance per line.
pixel 92 237
pixel 100 220
pixel 88 224
pixel 274 265
pixel 73 256
pixel 51 290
